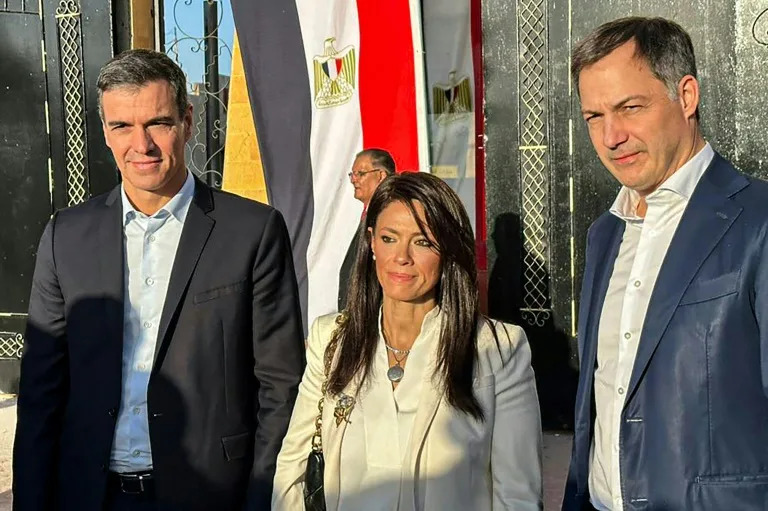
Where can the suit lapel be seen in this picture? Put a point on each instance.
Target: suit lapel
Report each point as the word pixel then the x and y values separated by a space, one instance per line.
pixel 430 398
pixel 594 287
pixel 709 215
pixel 429 402
pixel 111 263
pixel 197 228
pixel 602 251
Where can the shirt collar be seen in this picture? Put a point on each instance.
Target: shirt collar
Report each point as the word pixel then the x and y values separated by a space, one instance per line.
pixel 683 182
pixel 432 319
pixel 177 207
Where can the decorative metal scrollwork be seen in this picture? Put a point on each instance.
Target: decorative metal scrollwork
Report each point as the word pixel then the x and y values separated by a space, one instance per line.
pixel 760 28
pixel 11 345
pixel 534 160
pixel 205 150
pixel 70 49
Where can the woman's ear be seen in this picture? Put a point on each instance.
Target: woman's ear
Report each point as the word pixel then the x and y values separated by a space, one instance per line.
pixel 370 241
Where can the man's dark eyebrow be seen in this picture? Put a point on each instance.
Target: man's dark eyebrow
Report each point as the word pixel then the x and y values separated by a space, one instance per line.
pixel 163 119
pixel 617 105
pixel 627 100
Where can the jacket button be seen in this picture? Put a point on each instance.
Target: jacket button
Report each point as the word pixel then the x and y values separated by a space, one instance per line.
pixel 112 412
pixel 103 467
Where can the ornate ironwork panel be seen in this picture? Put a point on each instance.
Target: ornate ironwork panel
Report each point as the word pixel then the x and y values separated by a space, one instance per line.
pixel 534 165
pixel 70 48
pixel 11 344
pixel 185 42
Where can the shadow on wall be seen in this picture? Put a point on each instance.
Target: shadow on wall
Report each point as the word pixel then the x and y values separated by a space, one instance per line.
pixel 556 380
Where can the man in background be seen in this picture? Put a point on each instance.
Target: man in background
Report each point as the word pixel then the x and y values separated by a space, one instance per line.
pixel 370 168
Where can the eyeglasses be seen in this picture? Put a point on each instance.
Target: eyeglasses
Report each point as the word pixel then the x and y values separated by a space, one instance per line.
pixel 360 173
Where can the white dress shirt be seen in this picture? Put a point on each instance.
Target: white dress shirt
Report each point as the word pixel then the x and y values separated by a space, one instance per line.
pixel 642 251
pixel 376 450
pixel 150 244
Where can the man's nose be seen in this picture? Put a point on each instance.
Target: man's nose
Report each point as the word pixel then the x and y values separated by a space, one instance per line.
pixel 142 141
pixel 614 132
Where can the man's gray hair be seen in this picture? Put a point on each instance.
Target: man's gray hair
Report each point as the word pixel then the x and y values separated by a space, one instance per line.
pixel 136 68
pixel 380 158
pixel 663 44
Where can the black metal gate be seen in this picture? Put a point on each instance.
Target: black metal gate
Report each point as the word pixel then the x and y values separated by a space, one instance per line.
pixel 192 37
pixel 51 146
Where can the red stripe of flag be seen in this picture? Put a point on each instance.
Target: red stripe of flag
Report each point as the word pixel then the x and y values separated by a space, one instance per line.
pixel 387 85
pixel 481 232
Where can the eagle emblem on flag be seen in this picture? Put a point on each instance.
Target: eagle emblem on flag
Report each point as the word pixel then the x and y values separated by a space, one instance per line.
pixel 451 101
pixel 334 75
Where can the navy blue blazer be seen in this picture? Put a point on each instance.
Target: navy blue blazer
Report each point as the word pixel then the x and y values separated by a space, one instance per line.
pixel 694 427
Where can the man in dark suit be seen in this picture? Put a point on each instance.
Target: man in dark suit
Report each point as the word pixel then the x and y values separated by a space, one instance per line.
pixel 672 406
pixel 370 168
pixel 164 341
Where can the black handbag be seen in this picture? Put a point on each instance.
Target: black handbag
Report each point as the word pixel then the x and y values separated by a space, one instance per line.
pixel 314 495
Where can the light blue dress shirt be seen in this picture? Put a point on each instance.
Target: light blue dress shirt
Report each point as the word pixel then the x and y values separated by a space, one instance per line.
pixel 149 249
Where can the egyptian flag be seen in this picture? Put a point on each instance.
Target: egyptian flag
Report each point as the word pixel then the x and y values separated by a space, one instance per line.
pixel 450 76
pixel 325 80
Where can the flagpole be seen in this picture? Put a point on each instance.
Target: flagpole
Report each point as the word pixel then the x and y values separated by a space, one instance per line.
pixel 212 110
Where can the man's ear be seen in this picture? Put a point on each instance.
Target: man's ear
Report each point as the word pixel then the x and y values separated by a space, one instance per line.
pixel 688 95
pixel 187 120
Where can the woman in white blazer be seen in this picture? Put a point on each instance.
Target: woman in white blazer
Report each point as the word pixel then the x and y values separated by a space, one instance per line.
pixel 427 405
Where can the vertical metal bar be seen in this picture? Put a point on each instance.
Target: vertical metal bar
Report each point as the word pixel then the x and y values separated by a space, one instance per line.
pixel 159 25
pixel 212 140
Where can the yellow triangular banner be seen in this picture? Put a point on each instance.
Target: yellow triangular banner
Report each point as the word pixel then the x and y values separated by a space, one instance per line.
pixel 243 172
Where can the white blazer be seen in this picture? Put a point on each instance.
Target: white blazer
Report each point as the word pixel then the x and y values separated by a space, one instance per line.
pixel 455 462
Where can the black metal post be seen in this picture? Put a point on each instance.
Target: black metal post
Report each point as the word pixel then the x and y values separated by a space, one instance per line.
pixel 212 110
pixel 159 8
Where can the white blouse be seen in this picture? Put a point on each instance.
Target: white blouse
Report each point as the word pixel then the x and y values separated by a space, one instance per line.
pixel 376 442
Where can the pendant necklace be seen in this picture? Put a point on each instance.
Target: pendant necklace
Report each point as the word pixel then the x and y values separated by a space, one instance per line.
pixel 396 372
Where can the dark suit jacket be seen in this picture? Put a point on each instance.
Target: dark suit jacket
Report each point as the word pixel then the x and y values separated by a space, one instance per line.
pixel 694 427
pixel 228 361
pixel 347 266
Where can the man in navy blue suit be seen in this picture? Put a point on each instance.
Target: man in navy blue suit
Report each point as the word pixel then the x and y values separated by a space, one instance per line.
pixel 672 407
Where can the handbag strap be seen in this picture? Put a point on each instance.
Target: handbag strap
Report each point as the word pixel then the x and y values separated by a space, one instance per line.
pixel 330 351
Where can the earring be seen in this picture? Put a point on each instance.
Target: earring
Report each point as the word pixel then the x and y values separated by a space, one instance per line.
pixel 374 257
